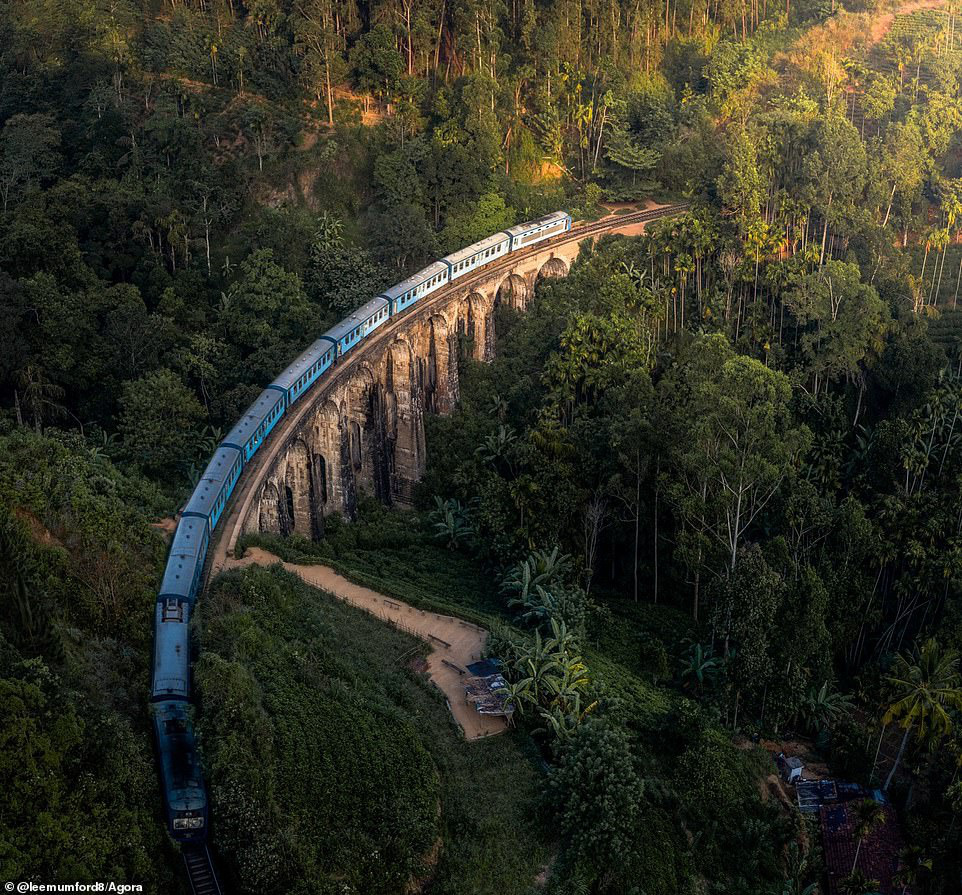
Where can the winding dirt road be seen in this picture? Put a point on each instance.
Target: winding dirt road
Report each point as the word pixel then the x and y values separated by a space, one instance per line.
pixel 452 640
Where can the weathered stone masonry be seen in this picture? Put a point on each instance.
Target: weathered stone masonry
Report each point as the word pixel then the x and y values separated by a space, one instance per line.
pixel 364 430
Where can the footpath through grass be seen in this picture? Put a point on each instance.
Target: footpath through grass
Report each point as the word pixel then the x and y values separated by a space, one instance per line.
pixel 389 552
pixel 359 751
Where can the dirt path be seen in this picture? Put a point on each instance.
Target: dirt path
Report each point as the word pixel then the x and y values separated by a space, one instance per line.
pixel 451 639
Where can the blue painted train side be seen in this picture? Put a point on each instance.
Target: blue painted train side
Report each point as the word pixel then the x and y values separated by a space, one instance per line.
pixel 304 372
pixel 185 796
pixel 216 485
pixel 256 423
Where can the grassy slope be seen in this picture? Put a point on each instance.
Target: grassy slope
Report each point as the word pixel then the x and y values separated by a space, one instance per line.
pixel 631 644
pixel 488 789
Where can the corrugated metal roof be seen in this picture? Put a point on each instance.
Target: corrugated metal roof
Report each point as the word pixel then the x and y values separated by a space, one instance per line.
pixel 303 363
pixel 520 229
pixel 202 500
pixel 474 248
pixel 185 553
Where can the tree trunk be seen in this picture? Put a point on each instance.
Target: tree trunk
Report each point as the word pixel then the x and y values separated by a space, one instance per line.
pixel 330 92
pixel 898 758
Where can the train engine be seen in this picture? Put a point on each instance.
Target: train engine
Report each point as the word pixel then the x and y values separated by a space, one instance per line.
pixel 185 797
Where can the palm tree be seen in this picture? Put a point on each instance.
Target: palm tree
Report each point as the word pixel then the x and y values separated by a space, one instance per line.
pixel 701 667
pixel 536 604
pixel 516 694
pixel 823 706
pixel 913 867
pixel 869 815
pixel 498 447
pixel 538 569
pixel 41 396
pixel 450 521
pixel 796 871
pixel 925 686
pixel 857 883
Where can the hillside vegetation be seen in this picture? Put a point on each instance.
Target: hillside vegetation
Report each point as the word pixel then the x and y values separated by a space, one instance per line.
pixel 335 766
pixel 709 491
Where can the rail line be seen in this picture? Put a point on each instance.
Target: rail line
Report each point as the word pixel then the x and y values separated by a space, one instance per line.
pixel 197 859
pixel 200 871
pixel 227 534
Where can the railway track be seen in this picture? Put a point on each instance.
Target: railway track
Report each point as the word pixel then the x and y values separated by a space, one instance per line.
pixel 230 528
pixel 197 859
pixel 200 871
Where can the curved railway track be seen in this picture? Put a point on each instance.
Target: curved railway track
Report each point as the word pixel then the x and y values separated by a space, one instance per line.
pixel 230 528
pixel 197 859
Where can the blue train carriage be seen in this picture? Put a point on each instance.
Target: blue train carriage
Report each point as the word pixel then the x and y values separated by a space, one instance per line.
pixel 302 374
pixel 417 286
pixel 185 797
pixel 351 330
pixel 171 650
pixel 256 423
pixel 478 254
pixel 216 484
pixel 185 562
pixel 531 232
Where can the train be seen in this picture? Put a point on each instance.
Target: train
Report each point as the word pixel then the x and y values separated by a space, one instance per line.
pixel 182 782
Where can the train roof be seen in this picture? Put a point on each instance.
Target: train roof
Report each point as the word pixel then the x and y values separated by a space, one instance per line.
pixel 367 310
pixel 171 654
pixel 211 482
pixel 185 552
pixel 255 415
pixel 416 279
pixel 183 781
pixel 303 363
pixel 475 247
pixel 539 222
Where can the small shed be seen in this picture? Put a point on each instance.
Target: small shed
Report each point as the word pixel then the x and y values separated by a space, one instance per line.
pixel 790 767
pixel 485 689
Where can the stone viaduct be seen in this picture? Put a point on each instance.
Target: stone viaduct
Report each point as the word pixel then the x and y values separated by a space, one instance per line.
pixel 362 427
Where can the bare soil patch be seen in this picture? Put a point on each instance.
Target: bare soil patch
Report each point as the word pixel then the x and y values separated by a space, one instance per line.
pixel 454 642
pixel 883 22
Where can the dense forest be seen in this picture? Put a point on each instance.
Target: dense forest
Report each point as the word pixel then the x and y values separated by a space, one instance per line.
pixel 707 497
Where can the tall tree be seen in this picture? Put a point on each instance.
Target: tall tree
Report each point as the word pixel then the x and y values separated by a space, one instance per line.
pixel 925 686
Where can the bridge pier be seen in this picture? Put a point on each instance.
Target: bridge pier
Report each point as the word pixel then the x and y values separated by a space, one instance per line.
pixel 363 430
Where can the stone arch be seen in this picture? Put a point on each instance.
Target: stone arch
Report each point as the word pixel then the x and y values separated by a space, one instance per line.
pixel 463 322
pixel 356 445
pixel 354 430
pixel 512 292
pixel 482 316
pixel 356 409
pixel 553 267
pixel 399 365
pixel 470 325
pixel 287 509
pixel 403 417
pixel 320 473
